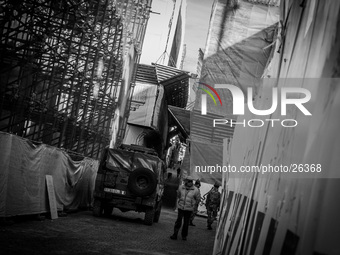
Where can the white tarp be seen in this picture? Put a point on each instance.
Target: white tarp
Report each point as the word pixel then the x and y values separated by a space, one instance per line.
pixel 238 47
pixel 23 167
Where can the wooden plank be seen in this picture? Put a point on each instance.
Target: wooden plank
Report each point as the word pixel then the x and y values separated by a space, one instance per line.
pixel 51 197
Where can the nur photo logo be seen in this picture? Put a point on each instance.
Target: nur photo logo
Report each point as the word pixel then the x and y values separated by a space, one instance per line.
pixel 204 97
pixel 303 96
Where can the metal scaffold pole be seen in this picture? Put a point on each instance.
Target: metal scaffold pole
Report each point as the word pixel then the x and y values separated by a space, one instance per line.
pixel 60 68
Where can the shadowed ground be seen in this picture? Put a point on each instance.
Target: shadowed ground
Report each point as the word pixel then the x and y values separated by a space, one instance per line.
pixel 121 233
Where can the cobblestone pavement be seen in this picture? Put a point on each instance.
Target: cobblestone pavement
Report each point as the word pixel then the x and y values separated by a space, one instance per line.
pixel 121 233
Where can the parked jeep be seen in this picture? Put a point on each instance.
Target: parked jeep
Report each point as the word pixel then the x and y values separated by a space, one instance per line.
pixel 130 178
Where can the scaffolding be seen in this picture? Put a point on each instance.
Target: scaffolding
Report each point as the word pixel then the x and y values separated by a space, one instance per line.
pixel 60 69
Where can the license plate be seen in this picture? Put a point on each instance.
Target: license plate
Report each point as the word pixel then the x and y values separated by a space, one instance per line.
pixel 115 191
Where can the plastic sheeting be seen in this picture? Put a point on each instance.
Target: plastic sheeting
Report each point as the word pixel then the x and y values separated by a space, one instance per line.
pixel 135 135
pixel 273 213
pixel 239 44
pixel 238 47
pixel 204 155
pixel 24 166
pixel 145 95
pixel 151 113
pixel 131 160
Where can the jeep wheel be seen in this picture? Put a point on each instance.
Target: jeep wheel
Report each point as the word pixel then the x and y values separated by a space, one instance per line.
pixel 149 216
pixel 97 208
pixel 142 182
pixel 158 211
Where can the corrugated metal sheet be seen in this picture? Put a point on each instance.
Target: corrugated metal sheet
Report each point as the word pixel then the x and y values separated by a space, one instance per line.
pixel 201 128
pixel 289 213
pixel 166 72
pixel 146 74
pixel 266 2
pixel 175 82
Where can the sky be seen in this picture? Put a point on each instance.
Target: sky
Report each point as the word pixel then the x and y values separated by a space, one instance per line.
pixel 197 24
pixel 196 30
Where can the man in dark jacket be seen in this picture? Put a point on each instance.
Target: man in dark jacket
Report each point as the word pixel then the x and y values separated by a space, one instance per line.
pixel 187 195
pixel 213 204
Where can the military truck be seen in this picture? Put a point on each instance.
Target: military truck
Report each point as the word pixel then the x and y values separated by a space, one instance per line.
pixel 130 177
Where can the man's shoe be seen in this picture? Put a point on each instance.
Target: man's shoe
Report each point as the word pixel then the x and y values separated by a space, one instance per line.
pixel 209 227
pixel 192 224
pixel 184 238
pixel 173 237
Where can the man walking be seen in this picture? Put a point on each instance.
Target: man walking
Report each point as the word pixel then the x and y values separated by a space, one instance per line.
pixel 213 204
pixel 187 195
pixel 192 217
